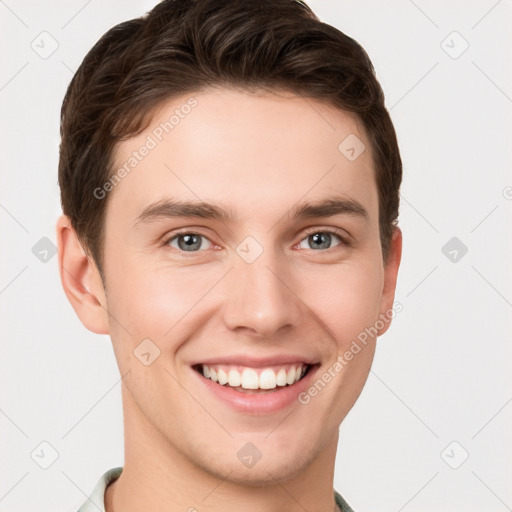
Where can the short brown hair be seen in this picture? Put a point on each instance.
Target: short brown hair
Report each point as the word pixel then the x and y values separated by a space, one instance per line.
pixel 184 46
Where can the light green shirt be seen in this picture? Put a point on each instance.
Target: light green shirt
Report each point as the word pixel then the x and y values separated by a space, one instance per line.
pixel 96 501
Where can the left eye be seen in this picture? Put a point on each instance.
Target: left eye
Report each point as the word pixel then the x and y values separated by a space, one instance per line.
pixel 190 242
pixel 193 242
pixel 320 240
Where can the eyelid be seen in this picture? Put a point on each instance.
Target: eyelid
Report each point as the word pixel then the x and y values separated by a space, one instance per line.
pixel 341 234
pixel 184 231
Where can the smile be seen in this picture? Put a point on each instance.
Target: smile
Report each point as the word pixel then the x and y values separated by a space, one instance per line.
pixel 254 390
pixel 247 379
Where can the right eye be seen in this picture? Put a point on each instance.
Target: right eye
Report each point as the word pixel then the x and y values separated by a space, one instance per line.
pixel 188 242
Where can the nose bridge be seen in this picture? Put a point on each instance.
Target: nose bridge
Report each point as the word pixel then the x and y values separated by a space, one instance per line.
pixel 259 294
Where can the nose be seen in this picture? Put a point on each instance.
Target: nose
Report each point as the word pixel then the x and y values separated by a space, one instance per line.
pixel 260 297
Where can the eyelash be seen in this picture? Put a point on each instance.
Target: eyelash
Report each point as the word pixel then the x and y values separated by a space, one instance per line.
pixel 332 231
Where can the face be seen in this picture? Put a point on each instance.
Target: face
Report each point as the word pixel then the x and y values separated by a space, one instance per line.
pixel 245 240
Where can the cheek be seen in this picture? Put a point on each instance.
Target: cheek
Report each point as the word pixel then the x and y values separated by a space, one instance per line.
pixel 345 298
pixel 160 302
pixel 154 302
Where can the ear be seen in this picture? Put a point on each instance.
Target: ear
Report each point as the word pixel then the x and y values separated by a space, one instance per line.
pixel 390 277
pixel 81 279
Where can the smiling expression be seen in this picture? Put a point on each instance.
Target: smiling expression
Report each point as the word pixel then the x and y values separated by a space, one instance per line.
pixel 243 240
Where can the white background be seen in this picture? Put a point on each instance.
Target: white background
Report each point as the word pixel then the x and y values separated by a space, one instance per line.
pixel 442 371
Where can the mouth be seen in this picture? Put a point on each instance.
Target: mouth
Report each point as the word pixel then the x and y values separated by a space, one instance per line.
pixel 253 384
pixel 245 380
pixel 251 380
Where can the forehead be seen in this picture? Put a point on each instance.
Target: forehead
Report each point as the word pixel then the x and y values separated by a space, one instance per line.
pixel 251 152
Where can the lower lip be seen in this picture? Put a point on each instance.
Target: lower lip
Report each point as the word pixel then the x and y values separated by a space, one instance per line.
pixel 259 403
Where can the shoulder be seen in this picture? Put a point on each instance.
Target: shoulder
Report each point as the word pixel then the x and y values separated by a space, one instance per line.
pixel 96 500
pixel 342 504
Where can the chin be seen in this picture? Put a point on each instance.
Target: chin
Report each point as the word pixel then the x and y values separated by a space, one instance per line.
pixel 278 468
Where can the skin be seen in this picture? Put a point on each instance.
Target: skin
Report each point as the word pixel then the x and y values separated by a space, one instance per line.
pixel 257 154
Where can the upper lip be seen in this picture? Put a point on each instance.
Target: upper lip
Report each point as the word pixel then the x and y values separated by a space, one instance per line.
pixel 257 362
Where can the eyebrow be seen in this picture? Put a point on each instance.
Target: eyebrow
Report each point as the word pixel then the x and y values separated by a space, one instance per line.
pixel 169 208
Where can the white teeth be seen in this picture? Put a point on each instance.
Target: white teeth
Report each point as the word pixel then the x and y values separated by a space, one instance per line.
pixel 222 376
pixel 281 377
pixel 234 377
pixel 268 379
pixel 290 376
pixel 249 378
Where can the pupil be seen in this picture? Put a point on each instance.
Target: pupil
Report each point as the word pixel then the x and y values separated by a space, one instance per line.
pixel 189 241
pixel 323 239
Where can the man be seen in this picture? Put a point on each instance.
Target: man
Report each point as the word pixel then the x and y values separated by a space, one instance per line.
pixel 230 187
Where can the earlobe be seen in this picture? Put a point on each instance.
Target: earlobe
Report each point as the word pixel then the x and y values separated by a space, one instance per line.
pixel 390 278
pixel 81 280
